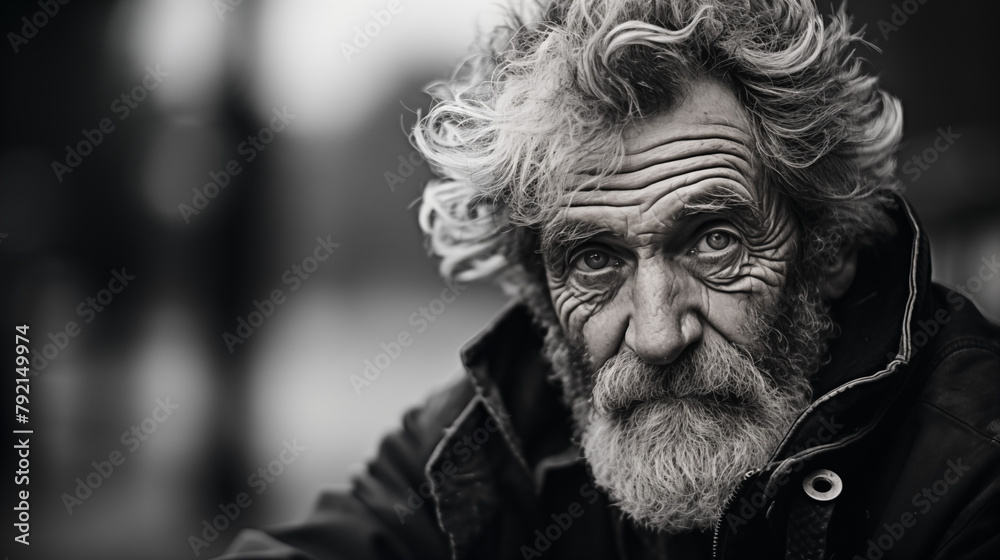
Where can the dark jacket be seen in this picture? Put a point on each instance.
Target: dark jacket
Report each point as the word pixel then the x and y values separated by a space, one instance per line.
pixel 907 417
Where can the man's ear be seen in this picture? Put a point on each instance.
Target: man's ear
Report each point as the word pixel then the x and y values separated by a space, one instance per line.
pixel 839 274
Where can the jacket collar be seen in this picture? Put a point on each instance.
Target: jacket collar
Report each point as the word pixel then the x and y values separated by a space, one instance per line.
pixel 870 357
pixel 876 314
pixel 506 366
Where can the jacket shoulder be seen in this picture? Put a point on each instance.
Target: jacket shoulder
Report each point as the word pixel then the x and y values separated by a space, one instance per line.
pixel 961 419
pixel 963 364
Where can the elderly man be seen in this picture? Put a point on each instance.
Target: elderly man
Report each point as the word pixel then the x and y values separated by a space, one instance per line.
pixel 724 341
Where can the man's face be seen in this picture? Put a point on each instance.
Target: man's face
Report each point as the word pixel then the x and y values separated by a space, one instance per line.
pixel 665 281
pixel 657 274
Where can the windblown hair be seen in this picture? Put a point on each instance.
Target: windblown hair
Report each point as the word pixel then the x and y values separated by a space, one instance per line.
pixel 541 114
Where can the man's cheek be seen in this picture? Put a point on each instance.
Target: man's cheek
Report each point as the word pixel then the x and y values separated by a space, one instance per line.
pixel 589 316
pixel 730 314
pixel 574 306
pixel 764 279
pixel 604 332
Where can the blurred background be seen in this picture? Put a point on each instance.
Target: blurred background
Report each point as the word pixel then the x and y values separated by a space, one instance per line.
pixel 211 151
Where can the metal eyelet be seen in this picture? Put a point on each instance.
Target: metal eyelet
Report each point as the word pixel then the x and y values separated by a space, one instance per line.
pixel 822 485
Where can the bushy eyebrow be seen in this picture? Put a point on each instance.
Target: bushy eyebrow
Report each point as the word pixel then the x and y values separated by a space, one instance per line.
pixel 723 201
pixel 562 234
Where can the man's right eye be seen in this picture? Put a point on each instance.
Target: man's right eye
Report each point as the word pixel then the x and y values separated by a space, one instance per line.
pixel 591 260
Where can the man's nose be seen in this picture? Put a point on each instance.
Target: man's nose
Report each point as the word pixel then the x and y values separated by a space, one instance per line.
pixel 665 313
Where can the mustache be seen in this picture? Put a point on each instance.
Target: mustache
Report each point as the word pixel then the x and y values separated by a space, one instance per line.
pixel 714 372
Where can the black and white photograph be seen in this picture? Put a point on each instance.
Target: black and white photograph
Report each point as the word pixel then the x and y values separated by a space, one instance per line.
pixel 501 279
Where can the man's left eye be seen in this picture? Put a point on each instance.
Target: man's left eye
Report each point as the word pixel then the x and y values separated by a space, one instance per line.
pixel 714 241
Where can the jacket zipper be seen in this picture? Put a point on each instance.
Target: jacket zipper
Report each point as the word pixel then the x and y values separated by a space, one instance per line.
pixel 729 502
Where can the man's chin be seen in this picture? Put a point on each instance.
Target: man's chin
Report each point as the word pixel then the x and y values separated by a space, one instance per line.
pixel 671 464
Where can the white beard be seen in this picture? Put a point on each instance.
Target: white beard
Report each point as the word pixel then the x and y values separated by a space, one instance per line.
pixel 670 443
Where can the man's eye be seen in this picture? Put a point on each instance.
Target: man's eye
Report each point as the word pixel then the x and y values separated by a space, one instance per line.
pixel 593 260
pixel 715 241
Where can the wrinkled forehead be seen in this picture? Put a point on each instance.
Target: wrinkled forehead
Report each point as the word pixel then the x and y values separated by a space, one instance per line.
pixel 707 116
pixel 695 157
